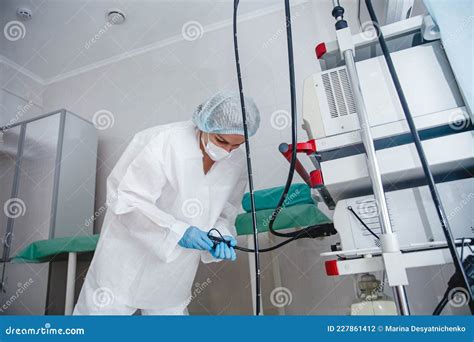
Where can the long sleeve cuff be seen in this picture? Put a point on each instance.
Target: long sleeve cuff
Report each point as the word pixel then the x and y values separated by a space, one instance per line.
pixel 170 250
pixel 206 257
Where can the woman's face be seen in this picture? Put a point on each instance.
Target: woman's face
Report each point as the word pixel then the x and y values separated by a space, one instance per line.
pixel 229 142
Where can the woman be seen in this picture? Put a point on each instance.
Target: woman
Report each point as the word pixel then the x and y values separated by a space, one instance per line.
pixel 170 187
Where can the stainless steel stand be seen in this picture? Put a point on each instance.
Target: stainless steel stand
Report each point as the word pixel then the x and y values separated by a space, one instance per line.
pixel 373 166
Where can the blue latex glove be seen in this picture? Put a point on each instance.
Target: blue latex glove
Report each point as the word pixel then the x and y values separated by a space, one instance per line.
pixel 224 251
pixel 195 238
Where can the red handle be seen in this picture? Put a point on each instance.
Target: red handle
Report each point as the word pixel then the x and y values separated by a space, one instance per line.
pixel 299 167
pixel 313 179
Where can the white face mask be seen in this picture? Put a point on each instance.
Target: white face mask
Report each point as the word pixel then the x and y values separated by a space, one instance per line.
pixel 214 152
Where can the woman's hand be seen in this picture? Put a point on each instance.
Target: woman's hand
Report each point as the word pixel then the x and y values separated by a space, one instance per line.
pixel 195 238
pixel 225 250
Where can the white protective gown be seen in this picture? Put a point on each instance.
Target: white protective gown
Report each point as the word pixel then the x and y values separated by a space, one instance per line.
pixel 155 192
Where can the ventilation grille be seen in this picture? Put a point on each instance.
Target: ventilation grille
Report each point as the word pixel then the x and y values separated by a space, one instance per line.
pixel 338 93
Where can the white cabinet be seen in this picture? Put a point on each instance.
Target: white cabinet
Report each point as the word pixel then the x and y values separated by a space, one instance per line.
pixel 47 179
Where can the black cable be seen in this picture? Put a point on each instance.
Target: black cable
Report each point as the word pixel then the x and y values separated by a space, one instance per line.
pixel 362 222
pixel 439 308
pixel 220 238
pixel 258 289
pixel 269 249
pixel 294 235
pixel 469 246
pixel 294 128
pixel 421 153
pixel 454 286
pixel 303 233
pixel 217 239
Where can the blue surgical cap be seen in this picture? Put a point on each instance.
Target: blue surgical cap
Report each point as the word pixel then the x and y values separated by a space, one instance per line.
pixel 222 114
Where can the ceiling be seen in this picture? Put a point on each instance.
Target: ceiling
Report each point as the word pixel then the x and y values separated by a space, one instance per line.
pixel 64 36
pixel 60 36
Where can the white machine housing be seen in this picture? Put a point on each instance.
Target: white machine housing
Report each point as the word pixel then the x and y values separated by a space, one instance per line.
pixel 433 97
pixel 412 215
pixel 424 72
